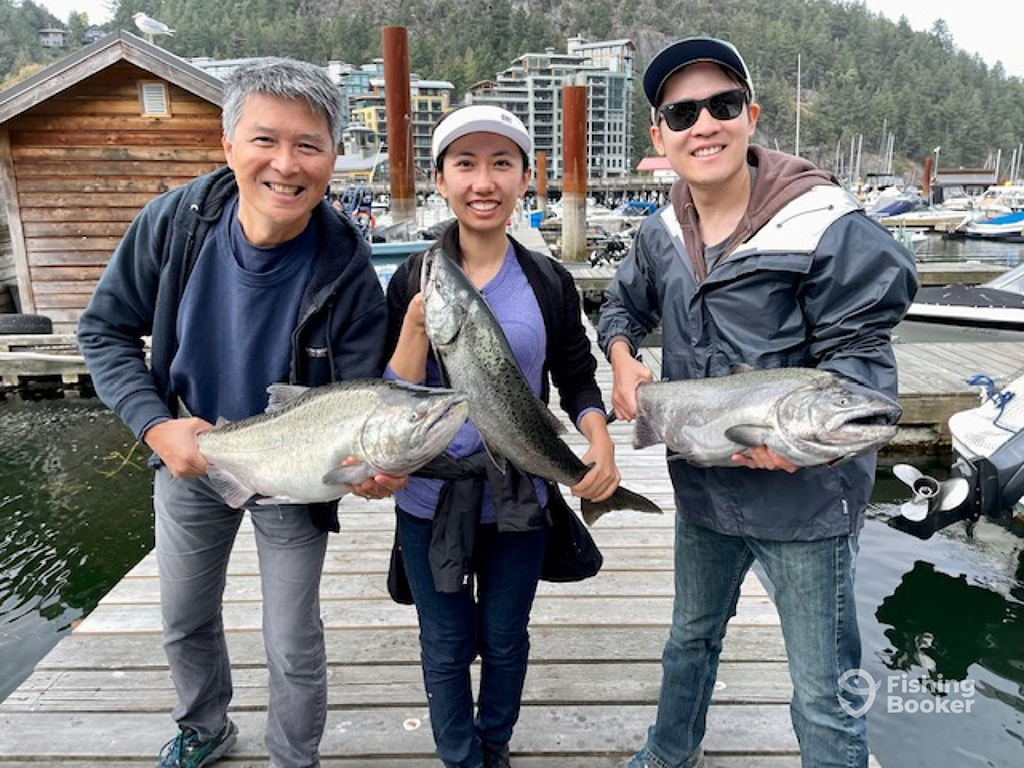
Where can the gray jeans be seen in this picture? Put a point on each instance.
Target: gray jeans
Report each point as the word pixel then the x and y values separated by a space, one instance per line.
pixel 195 531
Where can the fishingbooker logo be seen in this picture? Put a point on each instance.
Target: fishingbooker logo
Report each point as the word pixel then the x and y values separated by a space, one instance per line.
pixel 906 694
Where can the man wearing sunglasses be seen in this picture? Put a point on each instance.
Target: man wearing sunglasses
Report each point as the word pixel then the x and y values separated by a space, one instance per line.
pixel 760 260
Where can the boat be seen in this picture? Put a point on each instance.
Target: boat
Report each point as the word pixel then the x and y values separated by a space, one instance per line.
pixel 996 304
pixel 986 477
pixel 928 218
pixel 1007 228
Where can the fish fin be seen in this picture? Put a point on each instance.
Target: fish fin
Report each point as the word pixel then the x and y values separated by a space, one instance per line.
pixel 644 433
pixel 183 411
pixel 273 501
pixel 221 421
pixel 742 368
pixel 623 498
pixel 282 394
pixel 233 490
pixel 552 421
pixel 496 457
pixel 350 474
pixel 751 435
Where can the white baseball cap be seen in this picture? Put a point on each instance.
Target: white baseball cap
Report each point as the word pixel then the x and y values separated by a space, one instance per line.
pixel 480 118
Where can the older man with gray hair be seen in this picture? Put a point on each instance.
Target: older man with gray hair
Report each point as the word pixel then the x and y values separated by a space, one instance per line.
pixel 244 277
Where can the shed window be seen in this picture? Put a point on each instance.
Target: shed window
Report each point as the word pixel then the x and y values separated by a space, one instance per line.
pixel 153 98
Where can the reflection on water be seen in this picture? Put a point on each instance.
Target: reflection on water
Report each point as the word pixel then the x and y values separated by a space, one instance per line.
pixel 946 609
pixel 68 532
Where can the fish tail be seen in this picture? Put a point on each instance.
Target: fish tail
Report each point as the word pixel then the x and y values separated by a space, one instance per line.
pixel 623 498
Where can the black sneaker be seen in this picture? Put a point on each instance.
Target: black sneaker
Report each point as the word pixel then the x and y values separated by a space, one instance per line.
pixel 496 755
pixel 187 751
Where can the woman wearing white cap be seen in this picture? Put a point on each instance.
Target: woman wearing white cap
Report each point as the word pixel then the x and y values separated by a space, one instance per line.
pixel 481 156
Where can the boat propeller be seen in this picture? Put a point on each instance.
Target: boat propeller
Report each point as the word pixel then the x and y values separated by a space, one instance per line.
pixel 930 495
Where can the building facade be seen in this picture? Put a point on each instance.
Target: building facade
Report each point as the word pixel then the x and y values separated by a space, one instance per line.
pixel 429 100
pixel 532 89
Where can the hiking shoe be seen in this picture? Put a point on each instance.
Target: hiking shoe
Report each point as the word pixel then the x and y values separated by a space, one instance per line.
pixel 496 755
pixel 186 750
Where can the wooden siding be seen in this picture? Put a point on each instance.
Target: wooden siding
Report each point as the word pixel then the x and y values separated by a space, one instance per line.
pixel 84 164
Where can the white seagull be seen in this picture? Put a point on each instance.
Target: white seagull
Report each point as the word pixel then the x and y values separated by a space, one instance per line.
pixel 151 26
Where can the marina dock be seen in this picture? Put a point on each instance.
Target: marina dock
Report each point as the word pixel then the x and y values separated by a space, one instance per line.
pixel 104 694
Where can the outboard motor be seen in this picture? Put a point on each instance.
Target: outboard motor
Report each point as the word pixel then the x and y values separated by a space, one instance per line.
pixel 987 475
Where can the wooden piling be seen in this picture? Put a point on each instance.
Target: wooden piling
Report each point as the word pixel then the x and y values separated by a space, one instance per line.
pixel 397 101
pixel 574 173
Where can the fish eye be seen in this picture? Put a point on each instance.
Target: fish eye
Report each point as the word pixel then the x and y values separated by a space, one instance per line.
pixel 417 416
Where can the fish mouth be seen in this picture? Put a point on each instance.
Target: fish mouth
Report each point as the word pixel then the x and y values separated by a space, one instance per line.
pixel 460 403
pixel 428 273
pixel 874 423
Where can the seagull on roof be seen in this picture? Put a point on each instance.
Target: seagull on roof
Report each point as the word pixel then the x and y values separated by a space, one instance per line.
pixel 151 26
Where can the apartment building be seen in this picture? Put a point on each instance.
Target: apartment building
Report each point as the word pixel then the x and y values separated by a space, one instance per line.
pixel 532 89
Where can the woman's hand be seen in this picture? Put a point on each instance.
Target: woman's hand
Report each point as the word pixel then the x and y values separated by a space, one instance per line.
pixel 409 360
pixel 602 479
pixel 380 486
pixel 763 457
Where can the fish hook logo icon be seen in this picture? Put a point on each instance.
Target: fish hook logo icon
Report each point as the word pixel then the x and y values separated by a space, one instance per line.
pixel 868 690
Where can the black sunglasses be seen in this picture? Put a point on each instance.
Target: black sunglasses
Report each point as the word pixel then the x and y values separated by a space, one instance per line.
pixel 681 115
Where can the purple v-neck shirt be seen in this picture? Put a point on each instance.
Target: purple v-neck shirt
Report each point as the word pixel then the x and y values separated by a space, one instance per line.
pixel 515 306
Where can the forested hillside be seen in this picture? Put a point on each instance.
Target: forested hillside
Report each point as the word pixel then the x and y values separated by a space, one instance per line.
pixel 859 70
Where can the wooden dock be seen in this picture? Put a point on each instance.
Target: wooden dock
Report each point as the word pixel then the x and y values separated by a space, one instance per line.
pixel 104 694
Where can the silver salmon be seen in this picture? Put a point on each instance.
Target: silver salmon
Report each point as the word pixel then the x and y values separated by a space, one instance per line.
pixel 292 453
pixel 807 416
pixel 512 421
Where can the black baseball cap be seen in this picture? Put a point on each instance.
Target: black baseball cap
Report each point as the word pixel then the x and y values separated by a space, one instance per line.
pixel 688 51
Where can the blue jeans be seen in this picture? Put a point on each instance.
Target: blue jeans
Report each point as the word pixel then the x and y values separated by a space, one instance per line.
pixel 813 583
pixel 195 531
pixel 456 627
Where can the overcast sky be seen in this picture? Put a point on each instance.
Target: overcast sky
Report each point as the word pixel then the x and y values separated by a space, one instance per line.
pixel 988 27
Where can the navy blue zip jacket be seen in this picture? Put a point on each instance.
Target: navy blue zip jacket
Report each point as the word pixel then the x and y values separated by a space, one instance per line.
pixel 339 335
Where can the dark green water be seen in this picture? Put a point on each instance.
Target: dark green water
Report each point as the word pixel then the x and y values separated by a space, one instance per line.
pixel 68 533
pixel 949 607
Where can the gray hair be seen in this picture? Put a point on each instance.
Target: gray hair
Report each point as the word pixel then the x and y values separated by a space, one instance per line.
pixel 287 79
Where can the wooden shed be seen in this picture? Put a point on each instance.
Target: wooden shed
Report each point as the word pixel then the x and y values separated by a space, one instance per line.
pixel 84 144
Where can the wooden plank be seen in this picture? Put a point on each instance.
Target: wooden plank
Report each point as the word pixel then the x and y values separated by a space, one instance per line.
pixel 75 229
pixel 117 138
pixel 59 123
pixel 69 258
pixel 392 686
pixel 358 562
pixel 83 104
pixel 103 185
pixel 64 288
pixel 364 586
pixel 70 200
pixel 34 245
pixel 71 213
pixel 9 187
pixel 377 647
pixel 576 611
pixel 50 301
pixel 119 168
pixel 149 154
pixel 385 732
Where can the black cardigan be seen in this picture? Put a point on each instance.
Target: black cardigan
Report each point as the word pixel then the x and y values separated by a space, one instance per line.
pixel 568 360
pixel 571 553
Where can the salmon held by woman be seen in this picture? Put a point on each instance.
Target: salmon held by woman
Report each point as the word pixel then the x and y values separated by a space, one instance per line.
pixel 514 424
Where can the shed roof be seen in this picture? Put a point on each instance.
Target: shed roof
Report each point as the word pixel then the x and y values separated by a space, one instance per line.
pixel 87 61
